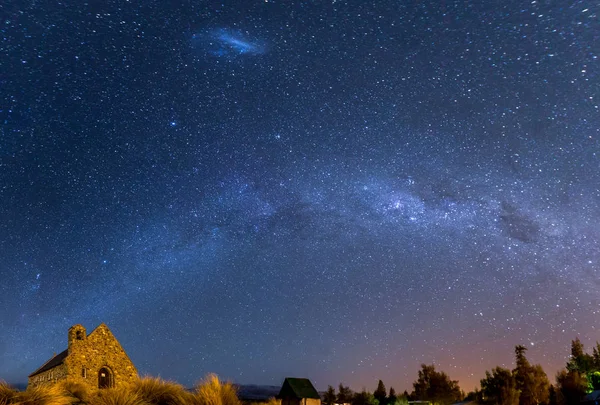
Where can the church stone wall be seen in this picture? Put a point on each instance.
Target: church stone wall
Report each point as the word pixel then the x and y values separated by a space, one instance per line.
pixel 49 377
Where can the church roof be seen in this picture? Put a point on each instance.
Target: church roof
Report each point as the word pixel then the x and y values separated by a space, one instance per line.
pixel 56 360
pixel 298 388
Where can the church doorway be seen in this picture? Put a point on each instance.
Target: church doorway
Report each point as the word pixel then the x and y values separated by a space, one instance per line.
pixel 105 378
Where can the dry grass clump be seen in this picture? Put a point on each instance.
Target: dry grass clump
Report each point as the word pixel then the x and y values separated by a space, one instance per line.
pixel 271 401
pixel 42 395
pixel 211 391
pixel 7 393
pixel 144 391
pixel 156 391
pixel 79 392
pixel 116 396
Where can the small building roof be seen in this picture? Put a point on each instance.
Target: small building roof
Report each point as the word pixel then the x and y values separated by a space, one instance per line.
pixel 298 388
pixel 56 360
pixel 592 396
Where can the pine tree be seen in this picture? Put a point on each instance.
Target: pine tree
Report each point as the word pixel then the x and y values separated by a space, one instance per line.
pixel 552 397
pixel 596 357
pixel 531 381
pixel 572 386
pixel 500 387
pixel 579 360
pixel 364 398
pixel 330 397
pixel 538 385
pixel 520 373
pixel 344 395
pixel 436 387
pixel 392 398
pixel 380 393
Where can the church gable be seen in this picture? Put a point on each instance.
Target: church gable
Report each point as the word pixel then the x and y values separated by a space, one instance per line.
pixel 102 339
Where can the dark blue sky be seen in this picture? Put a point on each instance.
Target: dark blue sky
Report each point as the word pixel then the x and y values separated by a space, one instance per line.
pixel 338 190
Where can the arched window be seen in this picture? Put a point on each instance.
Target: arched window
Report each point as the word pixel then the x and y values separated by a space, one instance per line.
pixel 105 378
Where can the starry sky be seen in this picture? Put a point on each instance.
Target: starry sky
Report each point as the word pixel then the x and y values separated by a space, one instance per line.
pixel 338 190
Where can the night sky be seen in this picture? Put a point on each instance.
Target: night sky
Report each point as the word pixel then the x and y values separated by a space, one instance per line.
pixel 338 190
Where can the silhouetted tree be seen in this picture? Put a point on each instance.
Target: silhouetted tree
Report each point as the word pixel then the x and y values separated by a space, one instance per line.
pixel 392 397
pixel 330 397
pixel 364 398
pixel 596 357
pixel 587 365
pixel 473 396
pixel 345 394
pixel 571 385
pixel 552 397
pixel 531 381
pixel 436 387
pixel 522 366
pixel 500 387
pixel 579 360
pixel 380 393
pixel 537 386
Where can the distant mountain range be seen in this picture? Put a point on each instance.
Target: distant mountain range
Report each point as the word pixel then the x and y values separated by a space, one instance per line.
pixel 257 393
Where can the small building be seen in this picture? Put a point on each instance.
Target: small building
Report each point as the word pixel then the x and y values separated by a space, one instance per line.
pixel 96 360
pixel 298 391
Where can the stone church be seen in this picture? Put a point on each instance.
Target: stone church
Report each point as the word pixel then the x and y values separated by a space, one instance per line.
pixel 96 360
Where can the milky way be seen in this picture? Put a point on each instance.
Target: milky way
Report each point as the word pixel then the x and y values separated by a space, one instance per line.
pixel 225 43
pixel 337 191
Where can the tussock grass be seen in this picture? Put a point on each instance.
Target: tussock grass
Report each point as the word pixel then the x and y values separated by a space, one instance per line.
pixel 116 396
pixel 271 401
pixel 43 395
pixel 144 391
pixel 211 391
pixel 7 393
pixel 79 392
pixel 156 391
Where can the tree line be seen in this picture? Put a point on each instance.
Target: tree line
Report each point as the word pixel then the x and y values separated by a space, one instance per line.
pixel 526 384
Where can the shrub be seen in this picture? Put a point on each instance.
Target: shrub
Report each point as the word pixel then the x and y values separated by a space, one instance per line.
pixel 211 391
pixel 156 391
